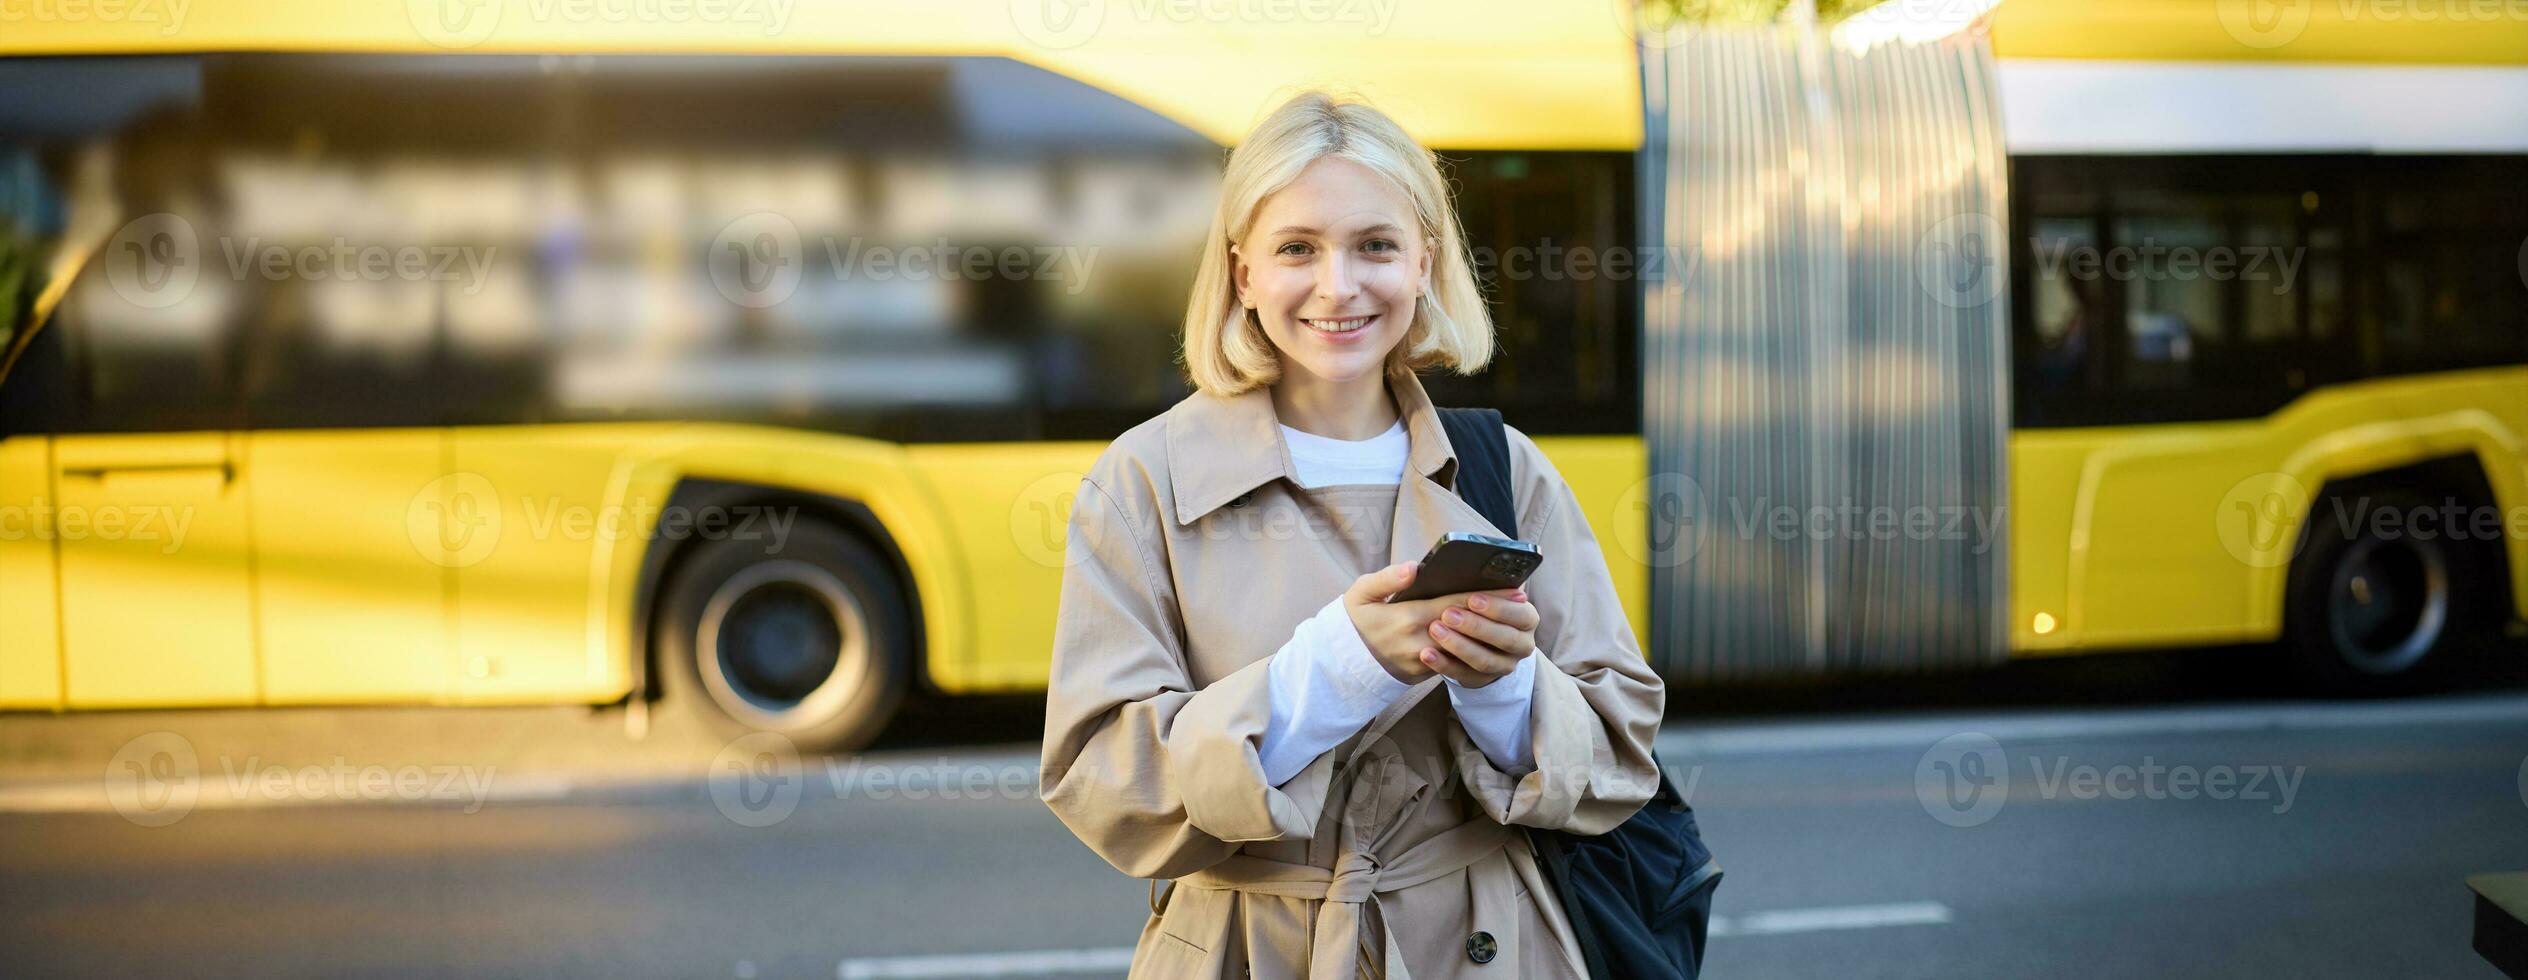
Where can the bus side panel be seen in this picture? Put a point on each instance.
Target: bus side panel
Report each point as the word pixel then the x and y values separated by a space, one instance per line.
pixel 527 525
pixel 351 603
pixel 30 632
pixel 1011 506
pixel 2045 471
pixel 1609 478
pixel 2182 534
pixel 2146 562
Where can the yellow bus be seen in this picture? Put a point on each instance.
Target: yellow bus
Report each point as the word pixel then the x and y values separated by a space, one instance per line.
pixel 746 355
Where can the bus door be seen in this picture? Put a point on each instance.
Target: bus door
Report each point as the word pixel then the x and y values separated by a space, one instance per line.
pixel 151 526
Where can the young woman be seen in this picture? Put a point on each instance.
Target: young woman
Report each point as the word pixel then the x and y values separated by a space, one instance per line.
pixel 1234 707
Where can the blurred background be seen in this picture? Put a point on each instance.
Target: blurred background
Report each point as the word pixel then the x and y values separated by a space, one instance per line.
pixel 508 487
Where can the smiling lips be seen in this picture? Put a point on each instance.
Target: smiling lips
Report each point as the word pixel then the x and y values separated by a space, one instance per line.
pixel 1339 326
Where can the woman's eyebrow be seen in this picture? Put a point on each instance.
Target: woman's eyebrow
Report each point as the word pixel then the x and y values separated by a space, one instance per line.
pixel 1380 228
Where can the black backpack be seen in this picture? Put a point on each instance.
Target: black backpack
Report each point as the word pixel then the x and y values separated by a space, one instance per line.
pixel 1639 896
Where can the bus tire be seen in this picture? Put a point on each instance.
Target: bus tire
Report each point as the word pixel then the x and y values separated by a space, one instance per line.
pixel 2370 612
pixel 812 641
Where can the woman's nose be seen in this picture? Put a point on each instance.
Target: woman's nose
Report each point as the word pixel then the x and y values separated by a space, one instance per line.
pixel 1335 279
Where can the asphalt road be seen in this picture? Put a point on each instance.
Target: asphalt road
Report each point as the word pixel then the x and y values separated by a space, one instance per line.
pixel 2219 837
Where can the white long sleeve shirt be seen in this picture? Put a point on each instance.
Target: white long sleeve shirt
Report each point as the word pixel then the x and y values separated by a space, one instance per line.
pixel 1325 684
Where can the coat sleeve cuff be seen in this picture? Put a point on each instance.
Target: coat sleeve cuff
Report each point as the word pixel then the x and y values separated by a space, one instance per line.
pixel 1569 756
pixel 1495 715
pixel 1215 766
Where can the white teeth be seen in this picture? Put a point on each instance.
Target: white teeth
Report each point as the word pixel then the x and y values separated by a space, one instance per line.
pixel 1346 325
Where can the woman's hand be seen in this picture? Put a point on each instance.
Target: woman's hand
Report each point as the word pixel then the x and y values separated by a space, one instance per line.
pixel 1493 631
pixel 1485 639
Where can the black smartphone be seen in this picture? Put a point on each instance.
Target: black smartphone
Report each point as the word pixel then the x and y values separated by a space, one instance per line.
pixel 1461 562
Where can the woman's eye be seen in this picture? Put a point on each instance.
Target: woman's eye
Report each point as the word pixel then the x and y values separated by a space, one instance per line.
pixel 1379 245
pixel 1287 249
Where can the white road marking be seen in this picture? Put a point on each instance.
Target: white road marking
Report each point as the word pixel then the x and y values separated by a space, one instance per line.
pixel 217 793
pixel 1781 921
pixel 1027 963
pixel 1688 740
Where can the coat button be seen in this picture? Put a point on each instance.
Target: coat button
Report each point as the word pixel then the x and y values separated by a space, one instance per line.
pixel 1480 947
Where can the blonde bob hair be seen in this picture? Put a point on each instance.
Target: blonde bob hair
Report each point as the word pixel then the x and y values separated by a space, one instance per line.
pixel 1226 351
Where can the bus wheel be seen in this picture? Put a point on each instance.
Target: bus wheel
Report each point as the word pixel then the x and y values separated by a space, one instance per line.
pixel 2373 610
pixel 811 641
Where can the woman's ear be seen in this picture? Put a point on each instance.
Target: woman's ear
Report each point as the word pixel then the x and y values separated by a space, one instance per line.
pixel 1430 247
pixel 1237 276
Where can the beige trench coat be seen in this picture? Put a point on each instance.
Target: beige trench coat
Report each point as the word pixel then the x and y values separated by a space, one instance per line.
pixel 1192 557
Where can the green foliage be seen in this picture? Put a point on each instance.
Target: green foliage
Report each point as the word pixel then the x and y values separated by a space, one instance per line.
pixel 1677 13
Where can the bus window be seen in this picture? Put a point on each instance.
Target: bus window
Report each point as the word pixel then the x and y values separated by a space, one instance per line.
pixel 1551 236
pixel 2452 264
pixel 2060 352
pixel 2162 289
pixel 2168 315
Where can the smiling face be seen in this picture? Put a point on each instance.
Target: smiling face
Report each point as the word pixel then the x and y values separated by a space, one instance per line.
pixel 1331 266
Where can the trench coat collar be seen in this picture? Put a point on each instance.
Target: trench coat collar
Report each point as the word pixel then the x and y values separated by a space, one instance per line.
pixel 1220 447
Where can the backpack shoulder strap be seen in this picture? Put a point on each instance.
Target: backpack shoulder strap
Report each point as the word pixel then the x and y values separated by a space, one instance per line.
pixel 1483 464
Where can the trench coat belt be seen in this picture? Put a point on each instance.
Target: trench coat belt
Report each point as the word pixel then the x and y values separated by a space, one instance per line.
pixel 1355 881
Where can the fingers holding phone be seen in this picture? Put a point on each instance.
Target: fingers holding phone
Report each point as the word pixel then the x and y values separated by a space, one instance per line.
pixel 1482 640
pixel 1460 612
pixel 1393 631
pixel 1397 632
